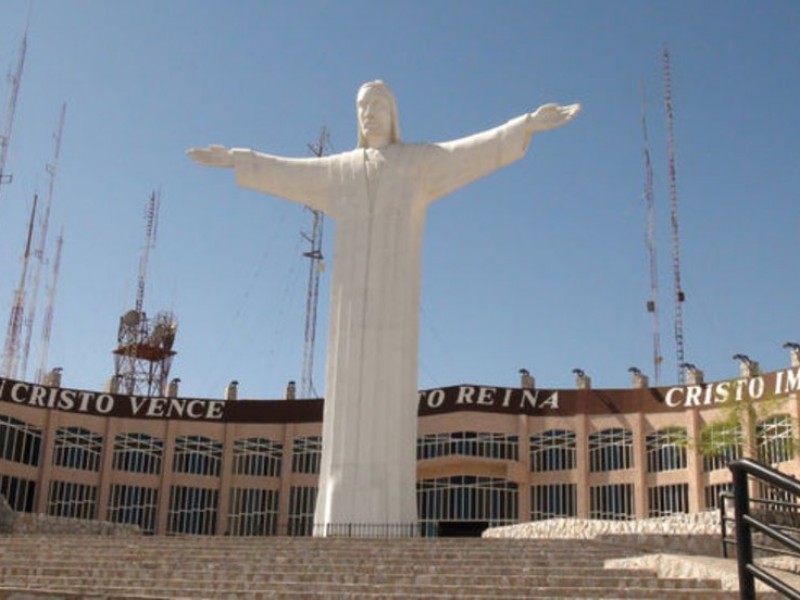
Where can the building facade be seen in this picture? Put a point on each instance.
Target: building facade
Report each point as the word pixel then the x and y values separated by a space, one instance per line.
pixel 486 454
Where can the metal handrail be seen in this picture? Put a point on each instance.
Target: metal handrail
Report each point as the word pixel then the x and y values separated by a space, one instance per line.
pixel 746 522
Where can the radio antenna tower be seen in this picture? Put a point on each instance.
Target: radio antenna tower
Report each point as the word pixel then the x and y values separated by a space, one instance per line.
pixel 39 253
pixel 5 137
pixel 673 198
pixel 144 353
pixel 10 355
pixel 652 303
pixel 47 324
pixel 315 268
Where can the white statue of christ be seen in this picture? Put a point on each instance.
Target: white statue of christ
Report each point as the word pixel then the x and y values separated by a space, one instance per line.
pixel 378 195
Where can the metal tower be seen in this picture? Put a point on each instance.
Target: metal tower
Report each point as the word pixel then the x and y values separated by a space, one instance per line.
pixel 144 352
pixel 5 137
pixel 39 253
pixel 652 303
pixel 11 351
pixel 47 325
pixel 673 196
pixel 316 266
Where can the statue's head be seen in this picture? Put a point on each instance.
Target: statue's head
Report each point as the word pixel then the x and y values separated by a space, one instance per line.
pixel 376 108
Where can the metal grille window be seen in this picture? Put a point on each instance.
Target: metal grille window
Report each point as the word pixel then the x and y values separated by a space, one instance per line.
pixel 664 500
pixel 554 501
pixel 20 493
pixel 610 450
pixel 468 443
pixel 775 437
pixel 192 511
pixel 197 455
pixel 253 512
pixel 612 502
pixel 77 448
pixel 306 452
pixel 785 501
pixel 138 453
pixel 74 500
pixel 467 498
pixel 666 449
pixel 257 456
pixel 19 442
pixel 134 505
pixel 721 444
pixel 711 494
pixel 553 450
pixel 302 500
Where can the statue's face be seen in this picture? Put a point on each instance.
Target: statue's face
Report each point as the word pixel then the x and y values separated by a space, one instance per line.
pixel 375 118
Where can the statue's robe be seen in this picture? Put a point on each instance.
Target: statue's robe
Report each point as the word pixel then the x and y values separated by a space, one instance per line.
pixel 378 199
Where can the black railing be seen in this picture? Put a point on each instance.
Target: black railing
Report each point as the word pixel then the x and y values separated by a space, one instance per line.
pixel 747 520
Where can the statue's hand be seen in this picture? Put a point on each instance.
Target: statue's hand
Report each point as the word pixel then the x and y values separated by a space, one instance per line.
pixel 550 116
pixel 213 156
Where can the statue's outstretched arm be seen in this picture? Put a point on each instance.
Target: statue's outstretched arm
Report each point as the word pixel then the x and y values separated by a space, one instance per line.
pixel 550 116
pixel 212 156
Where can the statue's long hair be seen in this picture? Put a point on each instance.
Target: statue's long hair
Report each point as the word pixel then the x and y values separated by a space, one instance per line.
pixel 379 87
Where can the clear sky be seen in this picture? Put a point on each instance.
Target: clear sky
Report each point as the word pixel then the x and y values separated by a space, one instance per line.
pixel 541 265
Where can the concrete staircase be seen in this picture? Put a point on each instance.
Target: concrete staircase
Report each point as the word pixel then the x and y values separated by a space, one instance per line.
pixel 134 567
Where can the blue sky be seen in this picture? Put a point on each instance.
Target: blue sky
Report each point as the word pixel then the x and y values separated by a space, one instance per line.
pixel 542 265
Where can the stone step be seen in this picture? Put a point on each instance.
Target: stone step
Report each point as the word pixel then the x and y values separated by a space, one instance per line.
pixel 194 591
pixel 43 577
pixel 113 568
pixel 200 568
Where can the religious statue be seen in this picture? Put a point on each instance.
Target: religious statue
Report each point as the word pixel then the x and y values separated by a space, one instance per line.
pixel 378 195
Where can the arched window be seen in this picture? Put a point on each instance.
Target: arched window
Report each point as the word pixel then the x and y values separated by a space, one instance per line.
pixel 468 443
pixel 666 449
pixel 197 455
pixel 77 448
pixel 19 442
pixel 259 457
pixel 138 453
pixel 720 443
pixel 553 450
pixel 306 453
pixel 775 439
pixel 611 450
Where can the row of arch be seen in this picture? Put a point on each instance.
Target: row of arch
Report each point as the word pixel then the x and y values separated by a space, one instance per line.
pixel 551 450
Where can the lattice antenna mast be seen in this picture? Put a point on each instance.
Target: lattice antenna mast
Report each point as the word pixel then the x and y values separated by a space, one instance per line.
pixel 47 324
pixel 5 137
pixel 652 303
pixel 10 356
pixel 315 268
pixel 39 253
pixel 151 225
pixel 144 353
pixel 673 199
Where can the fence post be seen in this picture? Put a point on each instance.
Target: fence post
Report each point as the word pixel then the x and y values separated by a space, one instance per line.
pixel 723 523
pixel 744 541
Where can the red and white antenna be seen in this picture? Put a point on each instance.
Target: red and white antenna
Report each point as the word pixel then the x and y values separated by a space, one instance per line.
pixel 47 324
pixel 39 253
pixel 673 201
pixel 11 351
pixel 5 137
pixel 652 303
